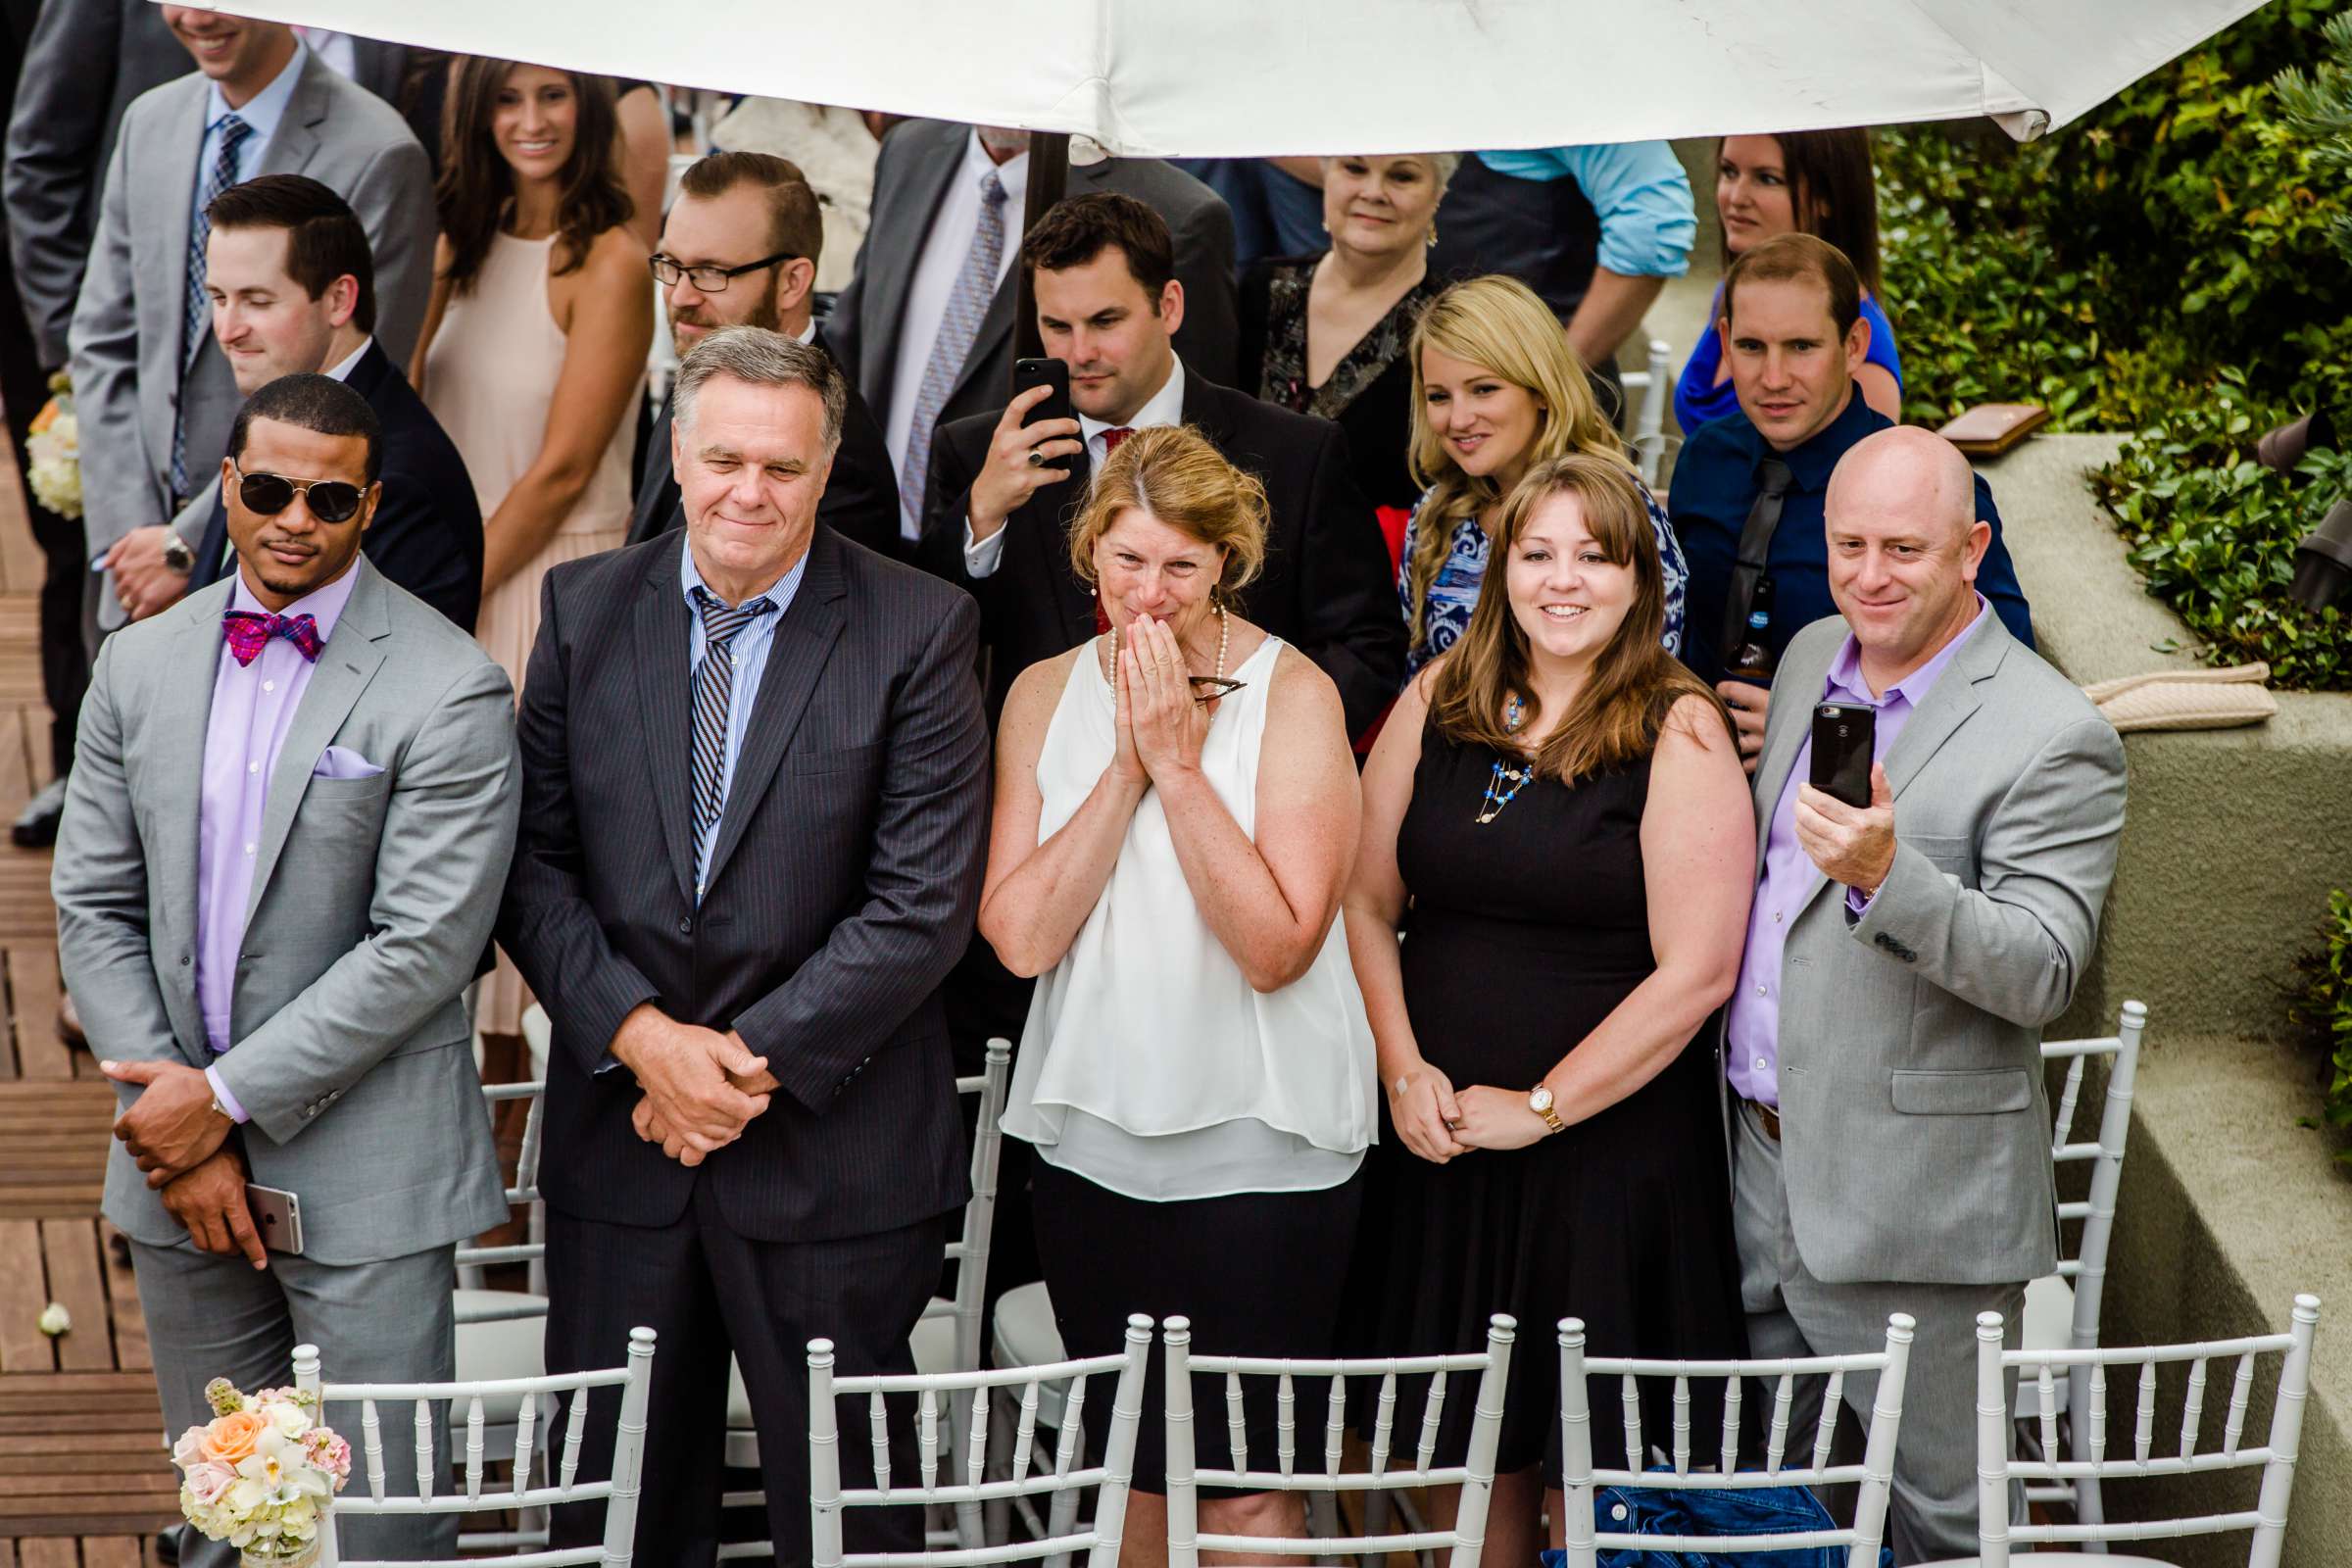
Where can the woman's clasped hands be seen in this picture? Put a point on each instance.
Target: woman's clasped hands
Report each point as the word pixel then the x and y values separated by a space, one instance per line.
pixel 1440 1123
pixel 1161 728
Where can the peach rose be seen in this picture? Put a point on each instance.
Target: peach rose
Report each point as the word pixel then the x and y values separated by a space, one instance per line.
pixel 229 1439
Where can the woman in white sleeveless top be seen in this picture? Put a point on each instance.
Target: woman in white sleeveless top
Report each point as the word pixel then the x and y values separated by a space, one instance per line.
pixel 1196 1073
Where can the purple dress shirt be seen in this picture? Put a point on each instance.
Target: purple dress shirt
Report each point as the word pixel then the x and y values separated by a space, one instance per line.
pixel 253 708
pixel 1751 1026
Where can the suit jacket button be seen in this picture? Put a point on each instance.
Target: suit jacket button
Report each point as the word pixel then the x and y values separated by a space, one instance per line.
pixel 686 927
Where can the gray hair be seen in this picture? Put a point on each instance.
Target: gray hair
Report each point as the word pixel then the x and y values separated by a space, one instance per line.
pixel 1442 166
pixel 758 357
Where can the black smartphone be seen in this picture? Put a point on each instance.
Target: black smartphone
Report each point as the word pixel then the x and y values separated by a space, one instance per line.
pixel 1844 739
pixel 1054 374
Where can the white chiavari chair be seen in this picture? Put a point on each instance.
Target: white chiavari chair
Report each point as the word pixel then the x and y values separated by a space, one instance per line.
pixel 1385 1471
pixel 367 1494
pixel 502 1335
pixel 1647 429
pixel 946 1338
pixel 2061 1309
pixel 962 1480
pixel 1873 1475
pixel 2038 1373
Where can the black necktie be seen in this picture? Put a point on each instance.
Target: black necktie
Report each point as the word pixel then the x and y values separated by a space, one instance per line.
pixel 1755 542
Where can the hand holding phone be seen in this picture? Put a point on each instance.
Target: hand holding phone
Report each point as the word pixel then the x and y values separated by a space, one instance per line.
pixel 1844 743
pixel 1026 451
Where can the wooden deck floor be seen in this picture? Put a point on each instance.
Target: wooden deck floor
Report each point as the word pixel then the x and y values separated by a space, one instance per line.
pixel 85 1480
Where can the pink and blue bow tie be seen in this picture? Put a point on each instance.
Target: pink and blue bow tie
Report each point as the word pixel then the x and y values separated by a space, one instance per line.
pixel 248 632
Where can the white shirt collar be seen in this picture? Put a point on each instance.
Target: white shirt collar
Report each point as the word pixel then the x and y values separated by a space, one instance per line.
pixel 265 109
pixel 1012 173
pixel 342 371
pixel 1167 406
pixel 806 334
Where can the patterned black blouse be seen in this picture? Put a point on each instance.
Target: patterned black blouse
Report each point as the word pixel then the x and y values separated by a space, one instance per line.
pixel 1369 393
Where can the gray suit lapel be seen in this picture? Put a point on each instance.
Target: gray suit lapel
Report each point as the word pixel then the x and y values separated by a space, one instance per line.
pixel 1784 732
pixel 296 140
pixel 805 640
pixel 346 665
pixel 1949 704
pixel 182 719
pixel 666 695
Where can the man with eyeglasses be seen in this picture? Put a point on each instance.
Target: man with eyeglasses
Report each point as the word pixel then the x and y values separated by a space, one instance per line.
pixel 740 248
pixel 288 822
pixel 292 288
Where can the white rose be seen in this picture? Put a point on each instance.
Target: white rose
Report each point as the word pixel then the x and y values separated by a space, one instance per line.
pixel 55 1320
pixel 290 1419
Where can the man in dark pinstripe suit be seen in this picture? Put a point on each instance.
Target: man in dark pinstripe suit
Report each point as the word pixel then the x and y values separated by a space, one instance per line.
pixel 756 796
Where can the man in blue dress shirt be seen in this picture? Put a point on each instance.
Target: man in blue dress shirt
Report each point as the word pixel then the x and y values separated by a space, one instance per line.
pixel 1793 332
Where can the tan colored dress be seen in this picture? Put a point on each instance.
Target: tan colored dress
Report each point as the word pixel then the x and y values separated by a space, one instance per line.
pixel 490 377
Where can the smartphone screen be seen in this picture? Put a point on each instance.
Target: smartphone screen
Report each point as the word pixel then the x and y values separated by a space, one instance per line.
pixel 1845 737
pixel 1054 374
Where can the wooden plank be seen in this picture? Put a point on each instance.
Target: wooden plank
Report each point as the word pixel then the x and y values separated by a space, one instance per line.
pixel 33 990
pixel 23 1347
pixel 111 1552
pixel 70 1246
pixel 147 1485
pixel 131 1349
pixel 47 1555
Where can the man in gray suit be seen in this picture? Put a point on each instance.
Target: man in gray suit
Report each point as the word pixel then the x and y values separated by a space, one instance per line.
pixel 271 965
pixel 155 402
pixel 924 331
pixel 1891 1134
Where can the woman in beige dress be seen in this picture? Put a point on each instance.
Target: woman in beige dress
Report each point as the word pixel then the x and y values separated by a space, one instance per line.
pixel 534 347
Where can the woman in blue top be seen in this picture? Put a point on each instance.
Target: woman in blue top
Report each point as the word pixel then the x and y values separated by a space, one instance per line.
pixel 1816 182
pixel 1497 391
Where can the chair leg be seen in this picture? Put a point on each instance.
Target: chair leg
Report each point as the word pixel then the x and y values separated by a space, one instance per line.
pixel 997 1516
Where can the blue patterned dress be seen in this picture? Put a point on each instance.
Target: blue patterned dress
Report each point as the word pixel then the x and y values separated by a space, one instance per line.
pixel 1454 594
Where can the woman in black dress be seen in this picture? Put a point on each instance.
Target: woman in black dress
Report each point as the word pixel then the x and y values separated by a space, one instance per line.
pixel 1556 820
pixel 1328 334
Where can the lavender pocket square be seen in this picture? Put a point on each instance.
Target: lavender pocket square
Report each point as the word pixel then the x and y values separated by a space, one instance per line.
pixel 339 761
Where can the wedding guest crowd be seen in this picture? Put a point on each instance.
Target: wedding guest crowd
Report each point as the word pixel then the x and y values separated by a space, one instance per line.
pixel 393 650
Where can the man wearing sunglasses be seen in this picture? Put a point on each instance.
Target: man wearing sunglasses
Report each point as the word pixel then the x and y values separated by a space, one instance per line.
pixel 740 248
pixel 274 979
pixel 292 288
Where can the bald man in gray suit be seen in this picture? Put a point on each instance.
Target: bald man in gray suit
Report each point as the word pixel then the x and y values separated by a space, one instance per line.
pixel 1890 1131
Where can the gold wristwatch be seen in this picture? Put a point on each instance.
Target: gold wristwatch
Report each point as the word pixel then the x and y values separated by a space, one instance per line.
pixel 1538 1100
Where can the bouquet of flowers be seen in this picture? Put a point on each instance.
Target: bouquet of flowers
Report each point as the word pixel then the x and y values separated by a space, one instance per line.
pixel 260 1473
pixel 55 447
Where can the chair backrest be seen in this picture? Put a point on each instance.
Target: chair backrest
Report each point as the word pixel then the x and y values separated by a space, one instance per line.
pixel 969 1252
pixel 1022 1477
pixel 1873 1475
pixel 1645 428
pixel 371 1498
pixel 1475 1475
pixel 2276 1458
pixel 2088 1269
pixel 524 1192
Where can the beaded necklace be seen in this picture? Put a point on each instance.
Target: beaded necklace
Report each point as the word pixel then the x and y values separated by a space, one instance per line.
pixel 1498 795
pixel 1224 638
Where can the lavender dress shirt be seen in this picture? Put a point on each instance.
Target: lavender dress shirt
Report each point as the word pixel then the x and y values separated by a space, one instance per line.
pixel 253 708
pixel 1751 1027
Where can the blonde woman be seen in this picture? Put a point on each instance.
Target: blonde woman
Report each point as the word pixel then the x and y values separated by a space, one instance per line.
pixel 1176 807
pixel 1497 391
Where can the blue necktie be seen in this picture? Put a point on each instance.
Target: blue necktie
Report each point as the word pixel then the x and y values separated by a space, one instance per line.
pixel 968 302
pixel 714 697
pixel 198 319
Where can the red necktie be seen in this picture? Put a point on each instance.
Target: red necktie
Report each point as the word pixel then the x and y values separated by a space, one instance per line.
pixel 248 632
pixel 1110 443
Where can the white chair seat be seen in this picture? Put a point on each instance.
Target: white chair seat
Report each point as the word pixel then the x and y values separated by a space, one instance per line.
pixel 1026 1335
pixel 933 1342
pixel 512 1348
pixel 2047 1324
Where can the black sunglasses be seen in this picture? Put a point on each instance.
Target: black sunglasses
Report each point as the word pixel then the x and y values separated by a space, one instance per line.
pixel 708 279
pixel 268 494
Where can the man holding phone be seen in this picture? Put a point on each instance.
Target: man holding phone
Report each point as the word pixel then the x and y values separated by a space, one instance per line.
pixel 290 813
pixel 1888 1125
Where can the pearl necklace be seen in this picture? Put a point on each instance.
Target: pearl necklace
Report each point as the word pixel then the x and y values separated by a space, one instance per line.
pixel 1224 640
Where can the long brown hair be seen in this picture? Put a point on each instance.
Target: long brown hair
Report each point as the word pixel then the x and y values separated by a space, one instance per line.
pixel 1504 326
pixel 1635 683
pixel 1833 194
pixel 476 183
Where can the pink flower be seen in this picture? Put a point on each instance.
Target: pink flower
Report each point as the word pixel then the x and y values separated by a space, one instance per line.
pixel 207 1481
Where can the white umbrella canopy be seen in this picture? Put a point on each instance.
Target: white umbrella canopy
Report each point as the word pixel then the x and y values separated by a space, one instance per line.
pixel 1234 78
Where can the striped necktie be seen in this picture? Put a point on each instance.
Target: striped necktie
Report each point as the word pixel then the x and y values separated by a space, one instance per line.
pixel 713 697
pixel 958 325
pixel 197 318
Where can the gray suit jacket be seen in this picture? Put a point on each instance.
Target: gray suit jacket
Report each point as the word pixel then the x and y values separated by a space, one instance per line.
pixel 84 62
pixel 373 899
pixel 128 374
pixel 918 159
pixel 1914 1126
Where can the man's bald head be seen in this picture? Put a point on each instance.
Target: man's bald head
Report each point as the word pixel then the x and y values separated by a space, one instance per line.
pixel 1904 546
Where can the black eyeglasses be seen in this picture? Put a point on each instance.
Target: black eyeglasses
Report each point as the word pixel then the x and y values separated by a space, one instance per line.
pixel 1208 688
pixel 268 494
pixel 667 269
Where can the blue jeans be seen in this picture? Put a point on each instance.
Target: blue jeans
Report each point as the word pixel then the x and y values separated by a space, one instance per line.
pixel 1761 1512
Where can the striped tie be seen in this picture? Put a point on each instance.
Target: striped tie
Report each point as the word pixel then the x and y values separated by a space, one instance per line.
pixel 968 302
pixel 197 321
pixel 713 696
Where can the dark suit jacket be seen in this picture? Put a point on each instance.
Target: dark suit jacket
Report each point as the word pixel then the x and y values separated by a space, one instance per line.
pixel 428 533
pixel 841 889
pixel 918 157
pixel 861 499
pixel 1325 587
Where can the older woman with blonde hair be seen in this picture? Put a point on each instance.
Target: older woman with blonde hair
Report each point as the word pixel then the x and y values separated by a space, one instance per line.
pixel 1556 817
pixel 1196 1073
pixel 1497 391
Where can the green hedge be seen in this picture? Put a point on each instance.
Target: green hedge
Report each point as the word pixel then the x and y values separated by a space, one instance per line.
pixel 2326 1006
